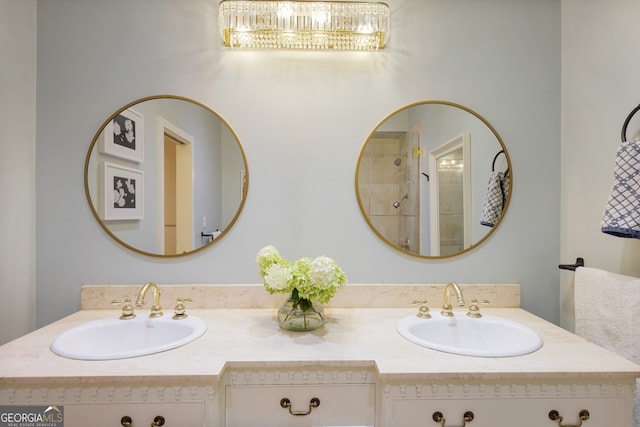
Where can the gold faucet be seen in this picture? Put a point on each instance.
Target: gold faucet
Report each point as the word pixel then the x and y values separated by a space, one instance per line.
pixel 446 306
pixel 156 310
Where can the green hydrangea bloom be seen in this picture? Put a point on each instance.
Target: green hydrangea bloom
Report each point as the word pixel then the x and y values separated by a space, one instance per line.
pixel 309 279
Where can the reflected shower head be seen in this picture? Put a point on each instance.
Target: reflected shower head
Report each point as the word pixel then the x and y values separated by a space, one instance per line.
pixel 397 161
pixel 397 203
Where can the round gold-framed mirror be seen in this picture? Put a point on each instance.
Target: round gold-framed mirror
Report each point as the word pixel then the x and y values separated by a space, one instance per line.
pixel 434 179
pixel 166 176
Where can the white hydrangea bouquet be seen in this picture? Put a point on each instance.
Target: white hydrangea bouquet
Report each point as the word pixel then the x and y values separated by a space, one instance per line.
pixel 306 280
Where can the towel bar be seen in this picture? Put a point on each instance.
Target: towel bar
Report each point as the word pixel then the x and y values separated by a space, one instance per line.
pixel 210 235
pixel 572 267
pixel 626 123
pixel 493 164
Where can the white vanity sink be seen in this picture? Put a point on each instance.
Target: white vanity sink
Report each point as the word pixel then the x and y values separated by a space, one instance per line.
pixel 488 336
pixel 112 338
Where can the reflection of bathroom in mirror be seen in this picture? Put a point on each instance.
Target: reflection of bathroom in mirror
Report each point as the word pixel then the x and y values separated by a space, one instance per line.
pixel 182 189
pixel 449 219
pixel 422 178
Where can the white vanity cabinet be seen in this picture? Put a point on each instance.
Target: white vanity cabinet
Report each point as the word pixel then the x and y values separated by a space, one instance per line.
pixel 299 398
pixel 115 404
pixel 507 405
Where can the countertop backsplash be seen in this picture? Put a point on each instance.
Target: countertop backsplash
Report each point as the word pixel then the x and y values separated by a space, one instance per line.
pixel 359 295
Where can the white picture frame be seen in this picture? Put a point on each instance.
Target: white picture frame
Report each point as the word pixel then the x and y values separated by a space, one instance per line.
pixel 122 195
pixel 123 136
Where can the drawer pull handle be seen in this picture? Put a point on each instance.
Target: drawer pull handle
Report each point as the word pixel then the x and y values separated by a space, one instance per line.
pixel 555 416
pixel 313 403
pixel 439 418
pixel 126 421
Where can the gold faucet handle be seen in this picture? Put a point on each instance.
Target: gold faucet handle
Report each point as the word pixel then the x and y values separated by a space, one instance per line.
pixel 127 308
pixel 180 310
pixel 474 308
pixel 423 310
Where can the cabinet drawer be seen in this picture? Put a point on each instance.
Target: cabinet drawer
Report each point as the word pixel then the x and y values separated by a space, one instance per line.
pixel 509 412
pixel 344 405
pixel 185 414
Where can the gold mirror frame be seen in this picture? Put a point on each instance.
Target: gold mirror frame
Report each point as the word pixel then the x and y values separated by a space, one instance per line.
pixel 94 147
pixel 483 185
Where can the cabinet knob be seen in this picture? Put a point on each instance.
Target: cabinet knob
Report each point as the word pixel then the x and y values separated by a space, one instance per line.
pixel 439 418
pixel 126 421
pixel 313 403
pixel 158 421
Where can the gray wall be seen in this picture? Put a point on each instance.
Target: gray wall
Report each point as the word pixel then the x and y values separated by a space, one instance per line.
pixel 600 87
pixel 302 118
pixel 17 167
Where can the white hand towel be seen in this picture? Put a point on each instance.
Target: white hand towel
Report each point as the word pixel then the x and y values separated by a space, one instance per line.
pixel 606 310
pixel 621 216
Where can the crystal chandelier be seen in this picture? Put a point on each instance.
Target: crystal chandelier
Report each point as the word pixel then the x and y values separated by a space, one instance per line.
pixel 304 24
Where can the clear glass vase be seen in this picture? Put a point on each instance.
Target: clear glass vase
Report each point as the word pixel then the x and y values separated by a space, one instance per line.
pixel 300 315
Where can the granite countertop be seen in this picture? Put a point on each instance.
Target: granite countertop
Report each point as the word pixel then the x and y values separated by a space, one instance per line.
pixel 351 337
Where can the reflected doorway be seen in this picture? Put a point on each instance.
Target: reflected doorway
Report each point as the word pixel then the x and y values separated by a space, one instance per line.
pixel 178 193
pixel 450 196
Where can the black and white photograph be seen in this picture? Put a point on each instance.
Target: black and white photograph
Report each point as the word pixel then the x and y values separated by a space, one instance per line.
pixel 122 192
pixel 123 136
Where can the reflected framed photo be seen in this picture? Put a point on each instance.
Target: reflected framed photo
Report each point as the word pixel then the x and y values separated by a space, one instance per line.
pixel 124 136
pixel 122 192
